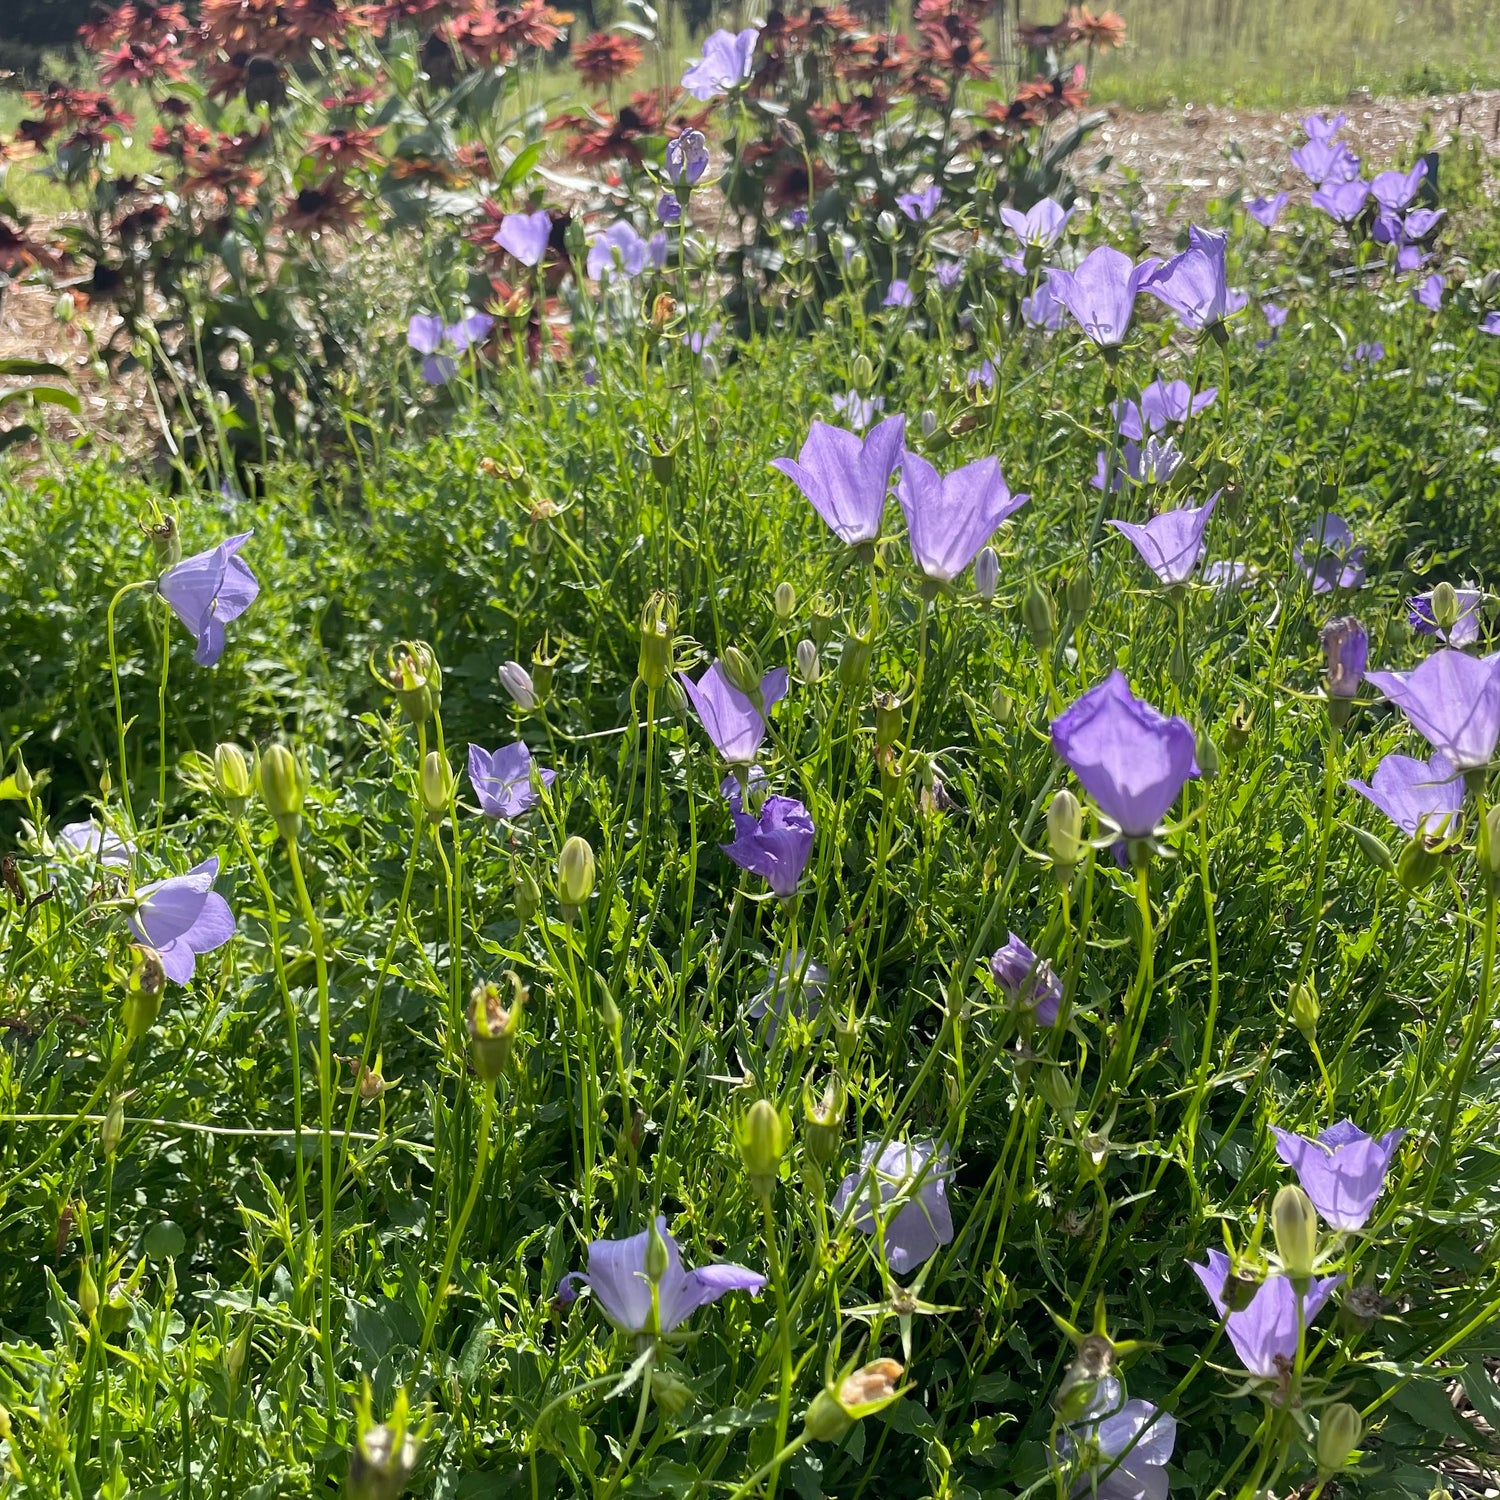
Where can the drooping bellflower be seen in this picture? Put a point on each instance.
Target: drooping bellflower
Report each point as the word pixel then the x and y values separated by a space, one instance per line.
pixel 1101 293
pixel 949 517
pixel 1453 701
pixel 1344 201
pixel 1342 1171
pixel 1171 544
pixel 845 478
pixel 181 917
pixel 1346 651
pixel 208 590
pixel 1027 979
pixel 923 1224
pixel 774 844
pixel 732 721
pixel 1421 797
pixel 1264 1333
pixel 101 844
pixel 621 249
pixel 687 158
pixel 1194 284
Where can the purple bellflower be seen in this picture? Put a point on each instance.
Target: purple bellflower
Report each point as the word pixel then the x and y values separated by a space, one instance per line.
pixel 618 1279
pixel 526 236
pixel 846 479
pixel 687 157
pixel 1421 797
pixel 1324 162
pixel 1330 556
pixel 795 982
pixel 949 273
pixel 101 844
pixel 427 335
pixel 1041 226
pixel 1028 979
pixel 208 590
pixel 1266 211
pixel 1264 1334
pixel 1366 353
pixel 727 61
pixel 1101 293
pixel 1165 403
pixel 1194 284
pixel 1042 310
pixel 1153 462
pixel 1343 201
pixel 668 209
pixel 1346 652
pixel 1464 631
pixel 859 411
pixel 898 294
pixel 919 207
pixel 621 249
pixel 1490 323
pixel 774 844
pixel 731 720
pixel 923 1224
pixel 181 917
pixel 1453 701
pixel 1316 128
pixel 1429 293
pixel 1275 316
pixel 1393 191
pixel 1171 544
pixel 949 517
pixel 1420 222
pixel 502 779
pixel 1132 760
pixel 1125 1447
pixel 1342 1171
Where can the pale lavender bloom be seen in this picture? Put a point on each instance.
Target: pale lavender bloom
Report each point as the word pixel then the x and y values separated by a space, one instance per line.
pixel 1317 128
pixel 102 844
pixel 668 209
pixel 949 517
pixel 617 1277
pixel 1420 222
pixel 1226 577
pixel 1430 293
pixel 898 294
pixel 1330 556
pixel 1101 470
pixel 1101 293
pixel 797 982
pixel 925 1223
pixel 1165 403
pixel 1171 544
pixel 920 206
pixel 619 249
pixel 1153 462
pixel 732 721
pixel 700 338
pixel 1388 229
pixel 468 331
pixel 1490 323
pixel 774 844
pixel 1325 162
pixel 846 480
pixel 1275 317
pixel 728 60
pixel 756 784
pixel 1410 258
pixel 859 411
pixel 1266 211
pixel 1127 1446
pixel 1453 701
pixel 656 250
pixel 1041 226
pixel 526 236
pixel 1132 760
pixel 983 374
pixel 949 273
pixel 1042 310
pixel 1344 201
pixel 1418 796
pixel 502 779
pixel 182 917
pixel 1264 1334
pixel 424 334
pixel 1464 631
pixel 1342 1171
pixel 687 157
pixel 1194 284
pixel 207 591
pixel 1394 191
pixel 1368 354
pixel 1025 977
pixel 1346 651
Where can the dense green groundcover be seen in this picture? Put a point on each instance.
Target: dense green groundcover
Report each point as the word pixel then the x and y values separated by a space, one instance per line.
pixel 168 1279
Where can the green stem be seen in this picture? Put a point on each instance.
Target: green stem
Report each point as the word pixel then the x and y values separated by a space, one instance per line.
pixel 784 1339
pixel 114 676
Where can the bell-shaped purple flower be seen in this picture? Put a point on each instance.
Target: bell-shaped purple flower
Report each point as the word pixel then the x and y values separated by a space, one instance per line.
pixel 925 1223
pixel 101 844
pixel 857 410
pixel 795 982
pixel 1171 544
pixel 526 236
pixel 618 1279
pixel 1166 403
pixel 898 294
pixel 727 61
pixel 687 157
pixel 949 517
pixel 732 721
pixel 1042 310
pixel 1429 293
pixel 774 844
pixel 1393 191
pixel 207 591
pixel 1041 226
pixel 1346 651
pixel 1266 211
pixel 1490 323
pixel 846 479
pixel 1132 760
pixel 1342 1171
pixel 619 250
pixel 919 207
pixel 1194 284
pixel 1366 353
pixel 1420 222
pixel 1453 701
pixel 502 779
pixel 1264 1334
pixel 1126 1446
pixel 1421 797
pixel 949 273
pixel 1323 162
pixel 427 335
pixel 1317 128
pixel 1028 979
pixel 1464 631
pixel 1343 201
pixel 182 917
pixel 1101 293
pixel 1330 556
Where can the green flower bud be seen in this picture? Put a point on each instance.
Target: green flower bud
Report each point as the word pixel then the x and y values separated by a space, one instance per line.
pixel 1207 754
pixel 527 893
pixel 437 786
pixel 283 787
pixel 862 375
pixel 1339 1431
pixel 414 677
pixel 1445 607
pixel 809 664
pixel 658 1257
pixel 859 1394
pixel 741 672
pixel 784 601
pixel 672 1395
pixel 575 875
pixel 494 1026
pixel 1065 830
pixel 113 1128
pixel 1490 849
pixel 22 779
pixel 1002 706
pixel 1080 594
pixel 1374 850
pixel 854 660
pixel 1305 1009
pixel 823 1120
pixel 88 1291
pixel 1038 616
pixel 889 720
pixel 1059 1090
pixel 762 1133
pixel 232 775
pixel 658 629
pixel 1295 1222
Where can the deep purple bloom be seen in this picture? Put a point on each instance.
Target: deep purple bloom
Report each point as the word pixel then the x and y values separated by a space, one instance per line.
pixel 1171 544
pixel 845 479
pixel 207 591
pixel 1490 323
pixel 1101 293
pixel 1464 631
pixel 502 779
pixel 727 61
pixel 620 249
pixel 1346 650
pixel 1430 293
pixel 1194 284
pixel 1126 1445
pixel 1343 201
pixel 733 722
pixel 1153 462
pixel 1330 556
pixel 1325 162
pixel 774 844
pixel 687 157
pixel 859 411
pixel 101 844
pixel 925 1223
pixel 1025 977
pixel 1132 760
pixel 1394 191
pixel 898 294
pixel 949 273
pixel 668 209
pixel 797 219
pixel 1453 701
pixel 526 236
pixel 1342 1171
pixel 617 1277
pixel 949 517
pixel 1266 211
pixel 1317 128
pixel 1040 226
pixel 1264 1334
pixel 1418 796
pixel 1042 310
pixel 920 206
pixel 182 917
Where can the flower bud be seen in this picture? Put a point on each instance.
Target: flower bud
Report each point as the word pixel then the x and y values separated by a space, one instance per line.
pixel 1346 648
pixel 1065 829
pixel 809 665
pixel 22 779
pixel 1417 865
pixel 862 374
pixel 836 1408
pixel 112 1128
pixel 516 681
pixel 762 1140
pixel 820 619
pixel 1490 849
pixel 283 786
pixel 886 225
pixel 741 672
pixel 1059 1090
pixel 987 573
pixel 232 774
pixel 854 660
pixel 1207 755
pixel 889 720
pixel 437 786
pixel 414 678
pixel 658 1257
pixel 672 1395
pixel 823 1120
pixel 527 893
pixel 1339 1431
pixel 382 1459
pixel 1038 616
pixel 88 1291
pixel 1374 850
pixel 1002 706
pixel 1295 1222
pixel 575 875
pixel 658 627
pixel 1079 595
pixel 1305 1009
pixel 494 1026
pixel 784 601
pixel 1445 607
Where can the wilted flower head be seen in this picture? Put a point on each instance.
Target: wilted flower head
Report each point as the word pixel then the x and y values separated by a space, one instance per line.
pixel 925 1223
pixel 733 722
pixel 951 516
pixel 181 917
pixel 1266 211
pixel 727 61
pixel 1264 1333
pixel 1452 699
pixel 1421 797
pixel 1194 284
pixel 774 844
pixel 526 236
pixel 1463 630
pixel 1330 556
pixel 920 206
pixel 1101 293
pixel 1153 462
pixel 687 157
pixel 208 590
pixel 1040 226
pixel 846 480
pixel 1024 976
pixel 1342 1171
pixel 502 779
pixel 1346 649
pixel 1171 544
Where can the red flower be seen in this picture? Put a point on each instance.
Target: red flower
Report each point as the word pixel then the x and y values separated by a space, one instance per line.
pixel 854 114
pixel 534 23
pixel 1107 30
pixel 345 146
pixel 327 206
pixel 37 132
pixel 17 252
pixel 356 98
pixel 873 59
pixel 141 63
pixel 601 57
pixel 140 23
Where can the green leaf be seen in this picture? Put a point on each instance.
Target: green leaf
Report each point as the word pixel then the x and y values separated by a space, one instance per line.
pixel 521 164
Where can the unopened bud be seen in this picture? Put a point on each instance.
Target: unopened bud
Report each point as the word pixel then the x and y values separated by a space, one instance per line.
pixel 527 894
pixel 762 1140
pixel 887 225
pixel 1445 607
pixel 113 1128
pixel 862 375
pixel 1080 594
pixel 672 1395
pixel 494 1025
pixel 1207 755
pixel 283 787
pixel 809 664
pixel 658 627
pixel 854 660
pixel 1038 616
pixel 1305 1009
pixel 741 671
pixel 987 573
pixel 516 681
pixel 88 1291
pixel 1002 706
pixel 1339 1431
pixel 1065 829
pixel 1490 865
pixel 22 779
pixel 1295 1222
pixel 575 874
pixel 232 775
pixel 658 1257
pixel 437 786
pixel 381 1463
pixel 1374 850
pixel 784 601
